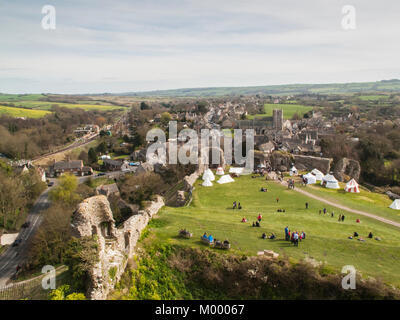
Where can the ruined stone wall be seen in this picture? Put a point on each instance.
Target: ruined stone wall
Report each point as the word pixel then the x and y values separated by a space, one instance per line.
pixel 347 167
pixel 309 163
pixel 116 245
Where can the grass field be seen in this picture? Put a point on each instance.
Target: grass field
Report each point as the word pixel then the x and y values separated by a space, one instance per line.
pixel 327 239
pixel 45 105
pixel 288 110
pixel 367 201
pixel 22 112
pixel 374 97
pixel 19 97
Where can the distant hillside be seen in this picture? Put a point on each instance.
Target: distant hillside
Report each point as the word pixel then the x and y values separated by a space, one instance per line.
pixel 332 88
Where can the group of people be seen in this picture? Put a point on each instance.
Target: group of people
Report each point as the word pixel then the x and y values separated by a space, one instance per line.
pixel 236 205
pixel 370 236
pixel 271 236
pixel 263 189
pixel 341 216
pixel 294 236
pixel 209 238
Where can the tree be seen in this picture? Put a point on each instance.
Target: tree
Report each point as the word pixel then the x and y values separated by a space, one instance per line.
pixel 65 192
pixel 102 147
pixel 165 118
pixel 82 255
pixel 64 293
pixel 144 106
pixel 92 155
pixel 202 107
pixel 84 157
pixel 13 199
pixel 50 242
pixel 141 187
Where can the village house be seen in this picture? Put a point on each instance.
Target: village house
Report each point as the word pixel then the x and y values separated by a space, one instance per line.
pixel 116 165
pixel 75 167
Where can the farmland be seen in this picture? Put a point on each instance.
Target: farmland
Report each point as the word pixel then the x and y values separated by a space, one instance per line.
pixel 288 110
pixel 22 112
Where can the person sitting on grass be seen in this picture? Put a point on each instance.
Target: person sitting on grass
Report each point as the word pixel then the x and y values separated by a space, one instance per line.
pixel 239 206
pixel 370 236
pixel 264 236
pixel 205 235
pixel 258 224
pixel 355 234
pixel 244 219
pixel 254 224
pixel 272 236
pixel 259 217
pixel 210 238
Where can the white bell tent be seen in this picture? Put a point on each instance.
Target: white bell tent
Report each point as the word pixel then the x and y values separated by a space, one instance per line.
pixel 208 174
pixel 220 171
pixel 395 205
pixel 293 171
pixel 318 174
pixel 207 183
pixel 330 182
pixel 225 179
pixel 237 171
pixel 310 178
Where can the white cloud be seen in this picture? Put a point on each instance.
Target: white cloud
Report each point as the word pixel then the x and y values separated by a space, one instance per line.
pixel 130 45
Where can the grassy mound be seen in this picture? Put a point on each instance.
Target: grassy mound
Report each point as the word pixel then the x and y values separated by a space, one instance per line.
pixel 176 272
pixel 327 239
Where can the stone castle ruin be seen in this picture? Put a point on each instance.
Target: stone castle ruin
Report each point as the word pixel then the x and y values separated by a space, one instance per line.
pixel 94 217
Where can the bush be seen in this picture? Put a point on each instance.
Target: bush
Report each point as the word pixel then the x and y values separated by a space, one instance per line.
pixel 174 272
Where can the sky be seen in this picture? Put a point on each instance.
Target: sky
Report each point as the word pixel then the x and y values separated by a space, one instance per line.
pixel 119 46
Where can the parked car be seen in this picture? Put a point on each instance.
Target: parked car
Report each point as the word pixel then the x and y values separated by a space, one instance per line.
pixel 50 184
pixel 16 242
pixel 101 174
pixel 26 224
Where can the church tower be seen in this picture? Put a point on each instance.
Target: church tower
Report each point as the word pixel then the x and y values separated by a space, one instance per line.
pixel 277 117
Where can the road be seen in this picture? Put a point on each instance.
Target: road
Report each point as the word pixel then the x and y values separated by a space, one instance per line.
pixel 14 256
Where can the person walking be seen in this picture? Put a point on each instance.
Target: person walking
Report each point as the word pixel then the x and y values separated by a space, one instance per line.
pixel 306 205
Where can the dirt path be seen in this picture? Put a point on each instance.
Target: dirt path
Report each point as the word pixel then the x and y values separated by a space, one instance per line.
pixel 337 205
